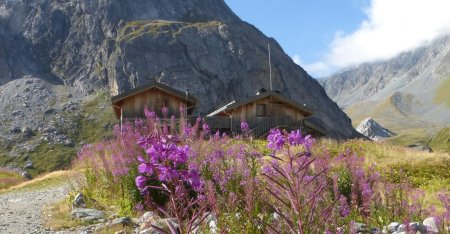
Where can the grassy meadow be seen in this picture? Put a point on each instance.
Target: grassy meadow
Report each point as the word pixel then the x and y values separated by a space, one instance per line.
pixel 427 171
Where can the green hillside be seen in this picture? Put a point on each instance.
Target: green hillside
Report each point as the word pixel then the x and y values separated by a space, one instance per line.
pixel 441 142
pixel 442 93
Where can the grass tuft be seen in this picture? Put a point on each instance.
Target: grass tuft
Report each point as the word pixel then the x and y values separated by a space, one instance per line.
pixel 9 178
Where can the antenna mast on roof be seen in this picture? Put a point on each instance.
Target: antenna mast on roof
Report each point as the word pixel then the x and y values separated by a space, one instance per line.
pixel 270 68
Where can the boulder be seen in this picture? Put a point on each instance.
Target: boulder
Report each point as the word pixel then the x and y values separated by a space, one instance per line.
pixel 14 129
pixel 148 219
pixel 27 131
pixel 28 165
pixel 26 175
pixel 210 221
pixel 431 225
pixel 147 215
pixel 401 228
pixel 149 231
pixel 420 147
pixel 87 214
pixel 121 221
pixel 418 227
pixel 392 227
pixel 147 226
pixel 359 227
pixel 78 201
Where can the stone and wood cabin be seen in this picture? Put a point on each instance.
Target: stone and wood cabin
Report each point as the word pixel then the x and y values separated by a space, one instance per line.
pixel 265 110
pixel 130 105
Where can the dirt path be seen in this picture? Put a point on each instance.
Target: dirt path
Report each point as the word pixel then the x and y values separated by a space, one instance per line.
pixel 20 211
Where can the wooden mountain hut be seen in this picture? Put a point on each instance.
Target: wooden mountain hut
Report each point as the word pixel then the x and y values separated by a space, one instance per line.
pixel 265 110
pixel 155 96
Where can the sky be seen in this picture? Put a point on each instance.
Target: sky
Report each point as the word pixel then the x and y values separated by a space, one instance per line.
pixel 325 36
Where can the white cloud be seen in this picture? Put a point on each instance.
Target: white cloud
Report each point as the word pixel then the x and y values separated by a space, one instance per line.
pixel 297 59
pixel 318 69
pixel 392 27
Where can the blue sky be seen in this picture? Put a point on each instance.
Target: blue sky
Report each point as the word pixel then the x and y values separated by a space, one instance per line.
pixel 324 36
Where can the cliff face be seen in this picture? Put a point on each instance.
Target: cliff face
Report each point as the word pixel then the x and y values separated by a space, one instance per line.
pixel 200 45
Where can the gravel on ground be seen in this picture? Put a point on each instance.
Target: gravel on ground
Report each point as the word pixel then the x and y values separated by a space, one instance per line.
pixel 20 211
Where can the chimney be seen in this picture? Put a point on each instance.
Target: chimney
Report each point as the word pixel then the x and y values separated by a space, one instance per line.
pixel 260 91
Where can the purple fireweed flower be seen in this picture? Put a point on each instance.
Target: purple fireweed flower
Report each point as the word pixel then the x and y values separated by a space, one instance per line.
pixel 141 182
pixel 165 111
pixel 309 141
pixel 244 127
pixel 164 173
pixel 187 130
pixel 179 155
pixel 267 170
pixel 145 142
pixel 296 138
pixel 138 122
pixel 276 139
pixel 146 168
pixel 149 114
pixel 206 128
pixel 216 136
pixel 154 152
pixel 360 173
pixel 194 179
pixel 344 209
pixel 182 109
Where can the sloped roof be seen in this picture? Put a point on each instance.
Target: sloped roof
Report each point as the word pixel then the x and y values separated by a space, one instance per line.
pixel 157 85
pixel 277 95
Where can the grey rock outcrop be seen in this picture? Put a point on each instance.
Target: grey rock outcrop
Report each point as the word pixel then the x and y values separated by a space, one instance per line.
pixel 373 130
pixel 420 147
pixel 87 214
pixel 200 45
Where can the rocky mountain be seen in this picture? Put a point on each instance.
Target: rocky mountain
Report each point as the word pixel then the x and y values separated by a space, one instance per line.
pixel 373 130
pixel 74 48
pixel 411 90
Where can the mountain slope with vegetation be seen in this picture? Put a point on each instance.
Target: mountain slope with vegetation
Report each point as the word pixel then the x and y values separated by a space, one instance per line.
pixel 409 91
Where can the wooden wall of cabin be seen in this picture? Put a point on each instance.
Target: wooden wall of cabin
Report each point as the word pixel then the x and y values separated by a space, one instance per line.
pixel 155 99
pixel 273 108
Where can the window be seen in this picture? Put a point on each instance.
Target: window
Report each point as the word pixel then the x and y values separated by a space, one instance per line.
pixel 260 109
